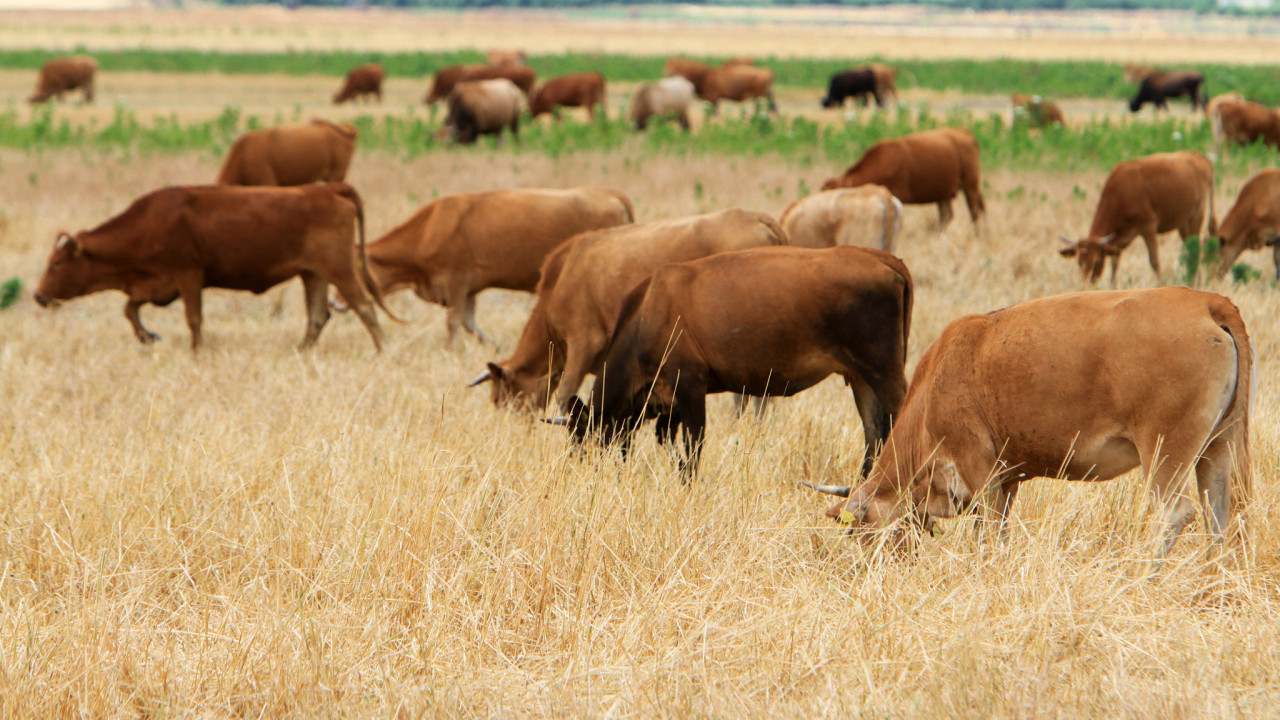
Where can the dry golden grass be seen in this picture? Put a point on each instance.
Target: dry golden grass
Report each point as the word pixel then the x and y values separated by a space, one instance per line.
pixel 259 533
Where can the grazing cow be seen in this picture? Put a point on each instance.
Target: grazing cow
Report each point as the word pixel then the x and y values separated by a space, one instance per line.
pixel 762 322
pixel 856 84
pixel 1039 112
pixel 1085 386
pixel 483 107
pixel 1159 87
pixel 459 245
pixel 924 167
pixel 866 216
pixel 886 80
pixel 364 80
pixel 65 74
pixel 318 151
pixel 522 77
pixel 1147 196
pixel 654 99
pixel 582 288
pixel 738 83
pixel 691 70
pixel 1253 222
pixel 506 58
pixel 585 90
pixel 446 79
pixel 1244 123
pixel 175 242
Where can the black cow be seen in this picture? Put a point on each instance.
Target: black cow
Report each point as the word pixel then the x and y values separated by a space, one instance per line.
pixel 855 84
pixel 1161 86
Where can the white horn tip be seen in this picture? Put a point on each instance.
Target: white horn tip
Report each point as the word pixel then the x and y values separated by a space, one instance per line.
pixel 837 490
pixel 556 420
pixel 484 377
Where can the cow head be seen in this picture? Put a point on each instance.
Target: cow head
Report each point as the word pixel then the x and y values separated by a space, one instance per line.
pixel 514 389
pixel 828 102
pixel 68 274
pixel 832 184
pixel 1090 254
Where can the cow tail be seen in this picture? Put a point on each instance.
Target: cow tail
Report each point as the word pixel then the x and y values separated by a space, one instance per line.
pixel 626 204
pixel 775 228
pixel 1227 315
pixel 1212 220
pixel 366 277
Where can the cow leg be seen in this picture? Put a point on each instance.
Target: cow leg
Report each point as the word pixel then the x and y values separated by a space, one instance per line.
pixel 353 294
pixel 1153 254
pixel 875 419
pixel 316 291
pixel 945 213
pixel 683 118
pixel 1002 501
pixel 146 337
pixel 1170 474
pixel 469 320
pixel 577 364
pixel 189 287
pixel 691 405
pixel 773 105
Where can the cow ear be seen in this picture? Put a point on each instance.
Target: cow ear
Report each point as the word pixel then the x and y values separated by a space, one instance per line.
pixel 496 372
pixel 1068 249
pixel 69 243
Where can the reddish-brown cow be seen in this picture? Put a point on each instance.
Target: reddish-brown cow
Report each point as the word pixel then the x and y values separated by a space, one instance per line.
pixel 738 83
pixel 1245 122
pixel 1253 222
pixel 361 81
pixel 65 74
pixel 318 151
pixel 585 90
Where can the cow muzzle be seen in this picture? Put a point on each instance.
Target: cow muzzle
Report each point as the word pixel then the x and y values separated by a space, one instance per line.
pixel 47 302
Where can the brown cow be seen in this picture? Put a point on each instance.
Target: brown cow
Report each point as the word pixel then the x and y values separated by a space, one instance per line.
pixel 522 77
pixel 1161 86
pixel 738 83
pixel 924 167
pixel 65 74
pixel 177 241
pixel 318 151
pixel 1253 222
pixel 763 322
pixel 1085 386
pixel 364 80
pixel 459 245
pixel 584 90
pixel 886 80
pixel 691 70
pixel 654 99
pixel 583 284
pixel 1147 196
pixel 507 58
pixel 445 79
pixel 867 216
pixel 483 107
pixel 1244 123
pixel 1038 111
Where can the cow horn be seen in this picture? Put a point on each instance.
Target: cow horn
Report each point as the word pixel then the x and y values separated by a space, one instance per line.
pixel 63 239
pixel 837 490
pixel 1108 239
pixel 485 376
pixel 1065 240
pixel 562 420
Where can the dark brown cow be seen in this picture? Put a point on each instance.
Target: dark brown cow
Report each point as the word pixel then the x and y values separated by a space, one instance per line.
pixel 1160 86
pixel 1253 222
pixel 1085 386
pixel 483 107
pixel 445 79
pixel 318 151
pixel 362 81
pixel 585 90
pixel 1038 111
pixel 1244 123
pixel 65 74
pixel 763 322
pixel 921 168
pixel 583 284
pixel 177 241
pixel 738 83
pixel 1147 196
pixel 459 245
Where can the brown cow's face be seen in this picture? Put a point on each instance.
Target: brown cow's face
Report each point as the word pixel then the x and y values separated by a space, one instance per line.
pixel 517 391
pixel 1091 255
pixel 69 273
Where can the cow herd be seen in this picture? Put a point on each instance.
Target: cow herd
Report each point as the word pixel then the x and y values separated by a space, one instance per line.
pixel 664 313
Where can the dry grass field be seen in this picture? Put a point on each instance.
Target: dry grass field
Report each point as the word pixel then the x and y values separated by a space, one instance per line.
pixel 255 532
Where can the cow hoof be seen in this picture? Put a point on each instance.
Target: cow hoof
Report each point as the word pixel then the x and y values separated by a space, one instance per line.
pixel 148 338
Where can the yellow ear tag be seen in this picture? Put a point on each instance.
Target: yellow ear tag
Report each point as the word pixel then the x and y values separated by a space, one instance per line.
pixel 847 517
pixel 78 251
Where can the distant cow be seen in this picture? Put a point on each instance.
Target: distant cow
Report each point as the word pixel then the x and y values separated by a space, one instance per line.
pixel 362 81
pixel 866 216
pixel 1038 111
pixel 691 70
pixel 856 84
pixel 483 107
pixel 738 83
pixel 931 166
pixel 318 151
pixel 457 246
pixel 1085 386
pixel 1147 196
pixel 448 78
pixel 1253 222
pixel 656 99
pixel 65 74
pixel 445 79
pixel 508 58
pixel 585 90
pixel 1244 123
pixel 764 322
pixel 582 288
pixel 1159 87
pixel 1134 73
pixel 886 80
pixel 175 242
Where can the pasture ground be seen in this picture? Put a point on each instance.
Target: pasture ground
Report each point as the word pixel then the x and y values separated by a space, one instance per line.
pixel 257 532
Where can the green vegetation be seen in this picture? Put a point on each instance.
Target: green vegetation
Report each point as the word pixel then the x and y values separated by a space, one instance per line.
pixel 1197 259
pixel 1054 79
pixel 10 291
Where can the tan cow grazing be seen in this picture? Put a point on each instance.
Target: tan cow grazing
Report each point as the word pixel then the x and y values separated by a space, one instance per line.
pixel 177 241
pixel 457 246
pixel 1038 111
pixel 483 107
pixel 1245 123
pixel 867 216
pixel 65 74
pixel 506 58
pixel 765 322
pixel 318 151
pixel 1147 196
pixel 445 79
pixel 1253 222
pixel 361 81
pixel 738 83
pixel 655 99
pixel 583 284
pixel 1085 386
pixel 886 80
pixel 931 166
pixel 585 90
